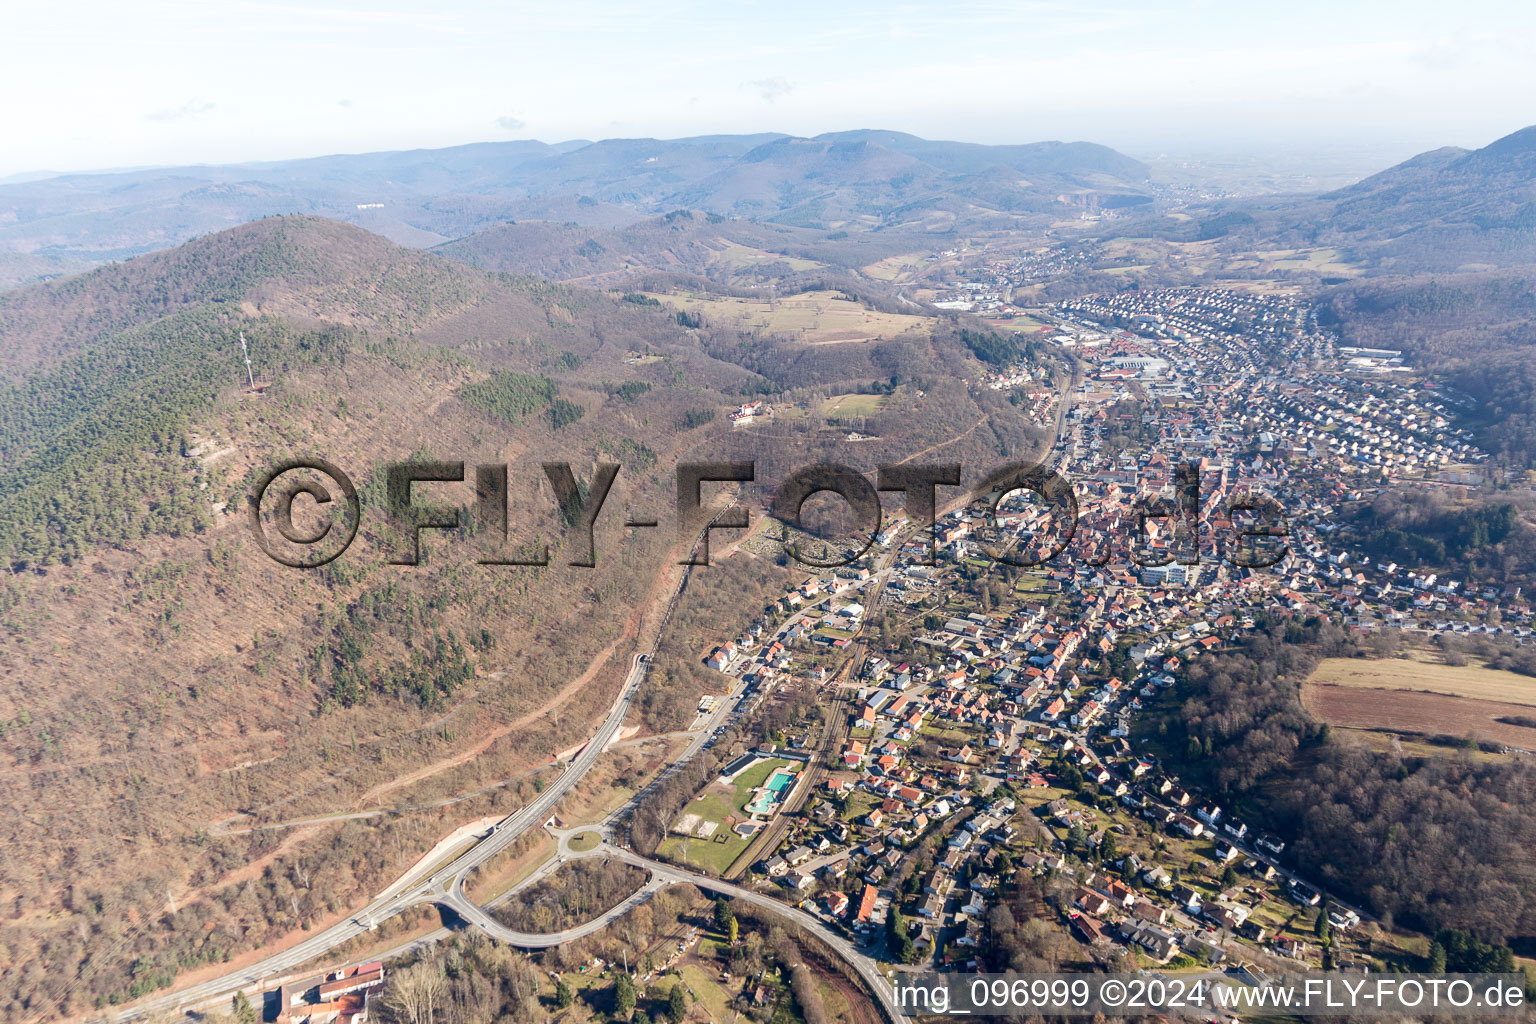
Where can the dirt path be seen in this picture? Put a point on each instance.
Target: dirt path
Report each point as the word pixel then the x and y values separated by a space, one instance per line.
pixel 559 698
pixel 941 444
pixel 196 749
pixel 251 869
pixel 302 834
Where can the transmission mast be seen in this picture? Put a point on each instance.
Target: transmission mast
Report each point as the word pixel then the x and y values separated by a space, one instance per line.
pixel 251 377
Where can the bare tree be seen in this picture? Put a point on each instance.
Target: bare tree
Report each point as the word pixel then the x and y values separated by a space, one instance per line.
pixel 802 984
pixel 415 993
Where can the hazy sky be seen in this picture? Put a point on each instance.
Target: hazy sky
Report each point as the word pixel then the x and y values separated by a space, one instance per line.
pixel 95 84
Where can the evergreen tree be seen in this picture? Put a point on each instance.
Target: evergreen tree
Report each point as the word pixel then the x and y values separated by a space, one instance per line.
pixel 1436 958
pixel 624 995
pixel 723 914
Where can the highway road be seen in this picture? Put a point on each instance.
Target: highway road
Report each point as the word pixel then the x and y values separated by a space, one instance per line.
pixel 475 915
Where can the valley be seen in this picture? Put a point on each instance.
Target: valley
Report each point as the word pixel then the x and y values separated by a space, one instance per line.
pixel 228 775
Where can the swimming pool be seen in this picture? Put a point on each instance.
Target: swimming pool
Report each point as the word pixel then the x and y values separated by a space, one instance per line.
pixel 772 792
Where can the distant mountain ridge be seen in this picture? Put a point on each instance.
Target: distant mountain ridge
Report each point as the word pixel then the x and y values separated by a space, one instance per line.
pixel 1442 210
pixel 854 180
pixel 1066 158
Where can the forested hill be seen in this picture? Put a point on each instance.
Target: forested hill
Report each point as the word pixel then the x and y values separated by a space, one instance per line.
pixel 1446 209
pixel 681 241
pixel 112 371
pixel 1442 211
pixel 159 674
pixel 302 266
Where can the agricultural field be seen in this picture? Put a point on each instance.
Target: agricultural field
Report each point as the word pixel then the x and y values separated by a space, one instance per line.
pixel 743 257
pixel 1471 681
pixel 852 405
pixel 1206 259
pixel 1324 261
pixel 1414 711
pixel 896 268
pixel 1153 250
pixel 1023 323
pixel 1423 698
pixel 1408 745
pixel 817 317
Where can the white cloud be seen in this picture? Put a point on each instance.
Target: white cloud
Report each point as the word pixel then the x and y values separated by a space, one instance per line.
pixel 509 123
pixel 771 89
pixel 192 108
